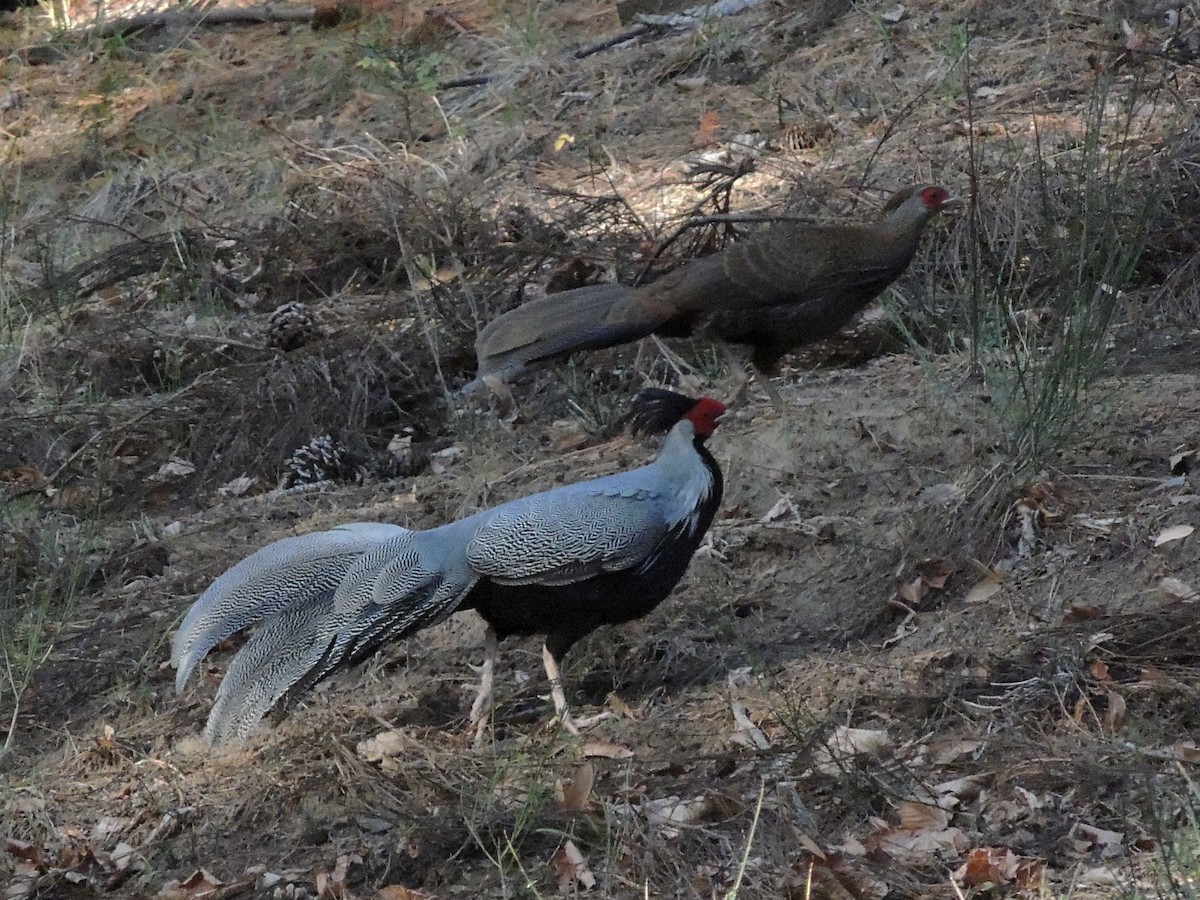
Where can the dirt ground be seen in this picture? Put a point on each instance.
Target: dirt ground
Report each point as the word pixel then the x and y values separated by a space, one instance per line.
pixel 904 665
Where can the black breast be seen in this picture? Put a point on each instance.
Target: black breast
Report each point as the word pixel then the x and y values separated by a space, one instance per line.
pixel 566 613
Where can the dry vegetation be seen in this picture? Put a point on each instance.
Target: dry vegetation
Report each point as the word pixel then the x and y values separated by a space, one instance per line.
pixel 945 638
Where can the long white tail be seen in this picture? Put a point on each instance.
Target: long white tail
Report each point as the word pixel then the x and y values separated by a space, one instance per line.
pixel 326 600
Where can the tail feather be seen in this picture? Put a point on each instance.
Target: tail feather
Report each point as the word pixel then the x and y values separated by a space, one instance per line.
pixel 391 588
pixel 586 318
pixel 287 572
pixel 278 655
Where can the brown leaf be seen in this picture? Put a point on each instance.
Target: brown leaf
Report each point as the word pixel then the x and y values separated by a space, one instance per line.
pixel 706 134
pixel 913 592
pixel 983 590
pixel 24 850
pixel 1187 751
pixel 987 865
pixel 1098 669
pixel 918 817
pixel 382 746
pixel 1114 715
pixel 936 571
pixel 199 884
pixel 573 793
pixel 570 867
pixel 999 866
pixel 1080 612
pixel 606 750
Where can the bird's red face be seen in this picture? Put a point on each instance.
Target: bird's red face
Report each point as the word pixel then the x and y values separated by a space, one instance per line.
pixel 937 198
pixel 705 415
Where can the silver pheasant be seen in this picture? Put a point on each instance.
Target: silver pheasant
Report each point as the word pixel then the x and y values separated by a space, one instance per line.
pixel 560 563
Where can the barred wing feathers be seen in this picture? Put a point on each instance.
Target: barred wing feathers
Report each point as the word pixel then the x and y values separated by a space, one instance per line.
pixel 568 535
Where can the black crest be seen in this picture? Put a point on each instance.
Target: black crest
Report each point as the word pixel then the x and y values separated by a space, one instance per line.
pixel 657 411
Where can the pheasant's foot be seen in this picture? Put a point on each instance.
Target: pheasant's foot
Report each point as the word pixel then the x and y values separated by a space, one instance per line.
pixel 482 706
pixel 576 725
pixel 569 722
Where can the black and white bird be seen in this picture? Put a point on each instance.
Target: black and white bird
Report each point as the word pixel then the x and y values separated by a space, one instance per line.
pixel 560 563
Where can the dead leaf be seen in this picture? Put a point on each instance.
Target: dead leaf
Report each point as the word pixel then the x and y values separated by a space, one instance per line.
pixel 989 587
pixel 747 734
pixel 783 507
pixel 570 868
pixel 945 495
pixel 606 750
pixel 924 834
pixel 912 593
pixel 999 866
pixel 950 793
pixel 1110 843
pixel 677 811
pixel 199 884
pixel 237 487
pixel 443 459
pixel 1098 876
pixel 1080 612
pixel 332 885
pixel 1180 590
pixel 1173 533
pixel 1182 461
pixel 706 134
pixel 846 742
pixel 935 572
pixel 1186 751
pixel 917 817
pixel 123 857
pixel 1114 715
pixel 110 825
pixel 573 793
pixel 174 468
pixel 944 752
pixel 29 858
pixel 620 707
pixel 382 746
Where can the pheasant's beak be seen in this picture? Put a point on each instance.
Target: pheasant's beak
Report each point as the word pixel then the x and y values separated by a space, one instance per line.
pixel 953 203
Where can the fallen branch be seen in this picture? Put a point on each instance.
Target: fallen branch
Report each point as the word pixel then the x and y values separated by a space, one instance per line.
pixel 197 18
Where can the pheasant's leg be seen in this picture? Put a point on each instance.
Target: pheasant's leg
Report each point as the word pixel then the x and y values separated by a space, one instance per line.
pixel 482 706
pixel 772 392
pixel 560 698
pixel 740 366
pixel 690 380
pixel 741 363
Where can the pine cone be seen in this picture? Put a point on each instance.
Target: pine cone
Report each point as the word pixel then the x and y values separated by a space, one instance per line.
pixel 291 325
pixel 320 460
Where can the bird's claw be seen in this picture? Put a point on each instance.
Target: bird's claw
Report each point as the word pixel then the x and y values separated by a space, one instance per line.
pixel 575 726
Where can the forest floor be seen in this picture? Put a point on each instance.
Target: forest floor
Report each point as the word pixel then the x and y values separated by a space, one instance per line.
pixel 938 644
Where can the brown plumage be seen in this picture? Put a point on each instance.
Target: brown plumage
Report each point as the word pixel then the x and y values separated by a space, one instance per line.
pixel 787 286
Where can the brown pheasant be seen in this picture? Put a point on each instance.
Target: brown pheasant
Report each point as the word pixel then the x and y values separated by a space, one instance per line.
pixel 785 287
